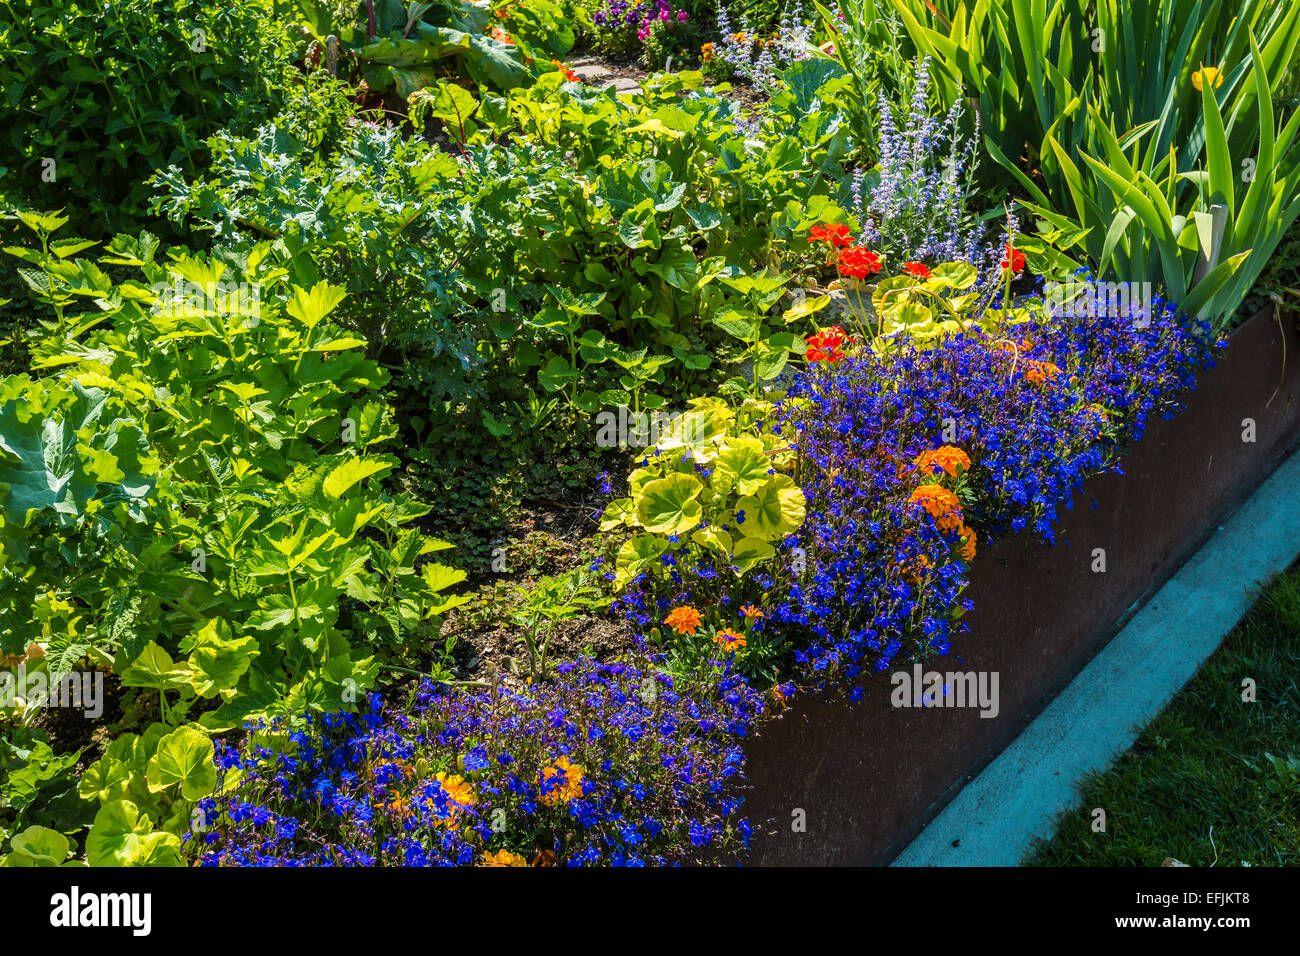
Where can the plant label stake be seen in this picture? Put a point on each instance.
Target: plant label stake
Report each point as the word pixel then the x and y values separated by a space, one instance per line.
pixel 332 54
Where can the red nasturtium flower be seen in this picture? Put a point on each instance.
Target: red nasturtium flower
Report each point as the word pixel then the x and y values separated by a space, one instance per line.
pixel 858 262
pixel 825 346
pixel 837 234
pixel 918 269
pixel 1013 259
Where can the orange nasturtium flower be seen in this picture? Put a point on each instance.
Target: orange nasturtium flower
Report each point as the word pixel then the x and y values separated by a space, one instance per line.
pixel 683 620
pixel 729 640
pixel 950 458
pixel 502 858
pixel 941 504
pixel 568 73
pixel 918 269
pixel 561 781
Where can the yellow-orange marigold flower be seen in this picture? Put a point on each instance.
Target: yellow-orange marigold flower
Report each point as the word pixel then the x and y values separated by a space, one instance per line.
pixel 683 620
pixel 913 568
pixel 950 458
pixel 561 781
pixel 942 505
pixel 502 858
pixel 752 612
pixel 458 790
pixel 967 546
pixel 729 640
pixel 1040 373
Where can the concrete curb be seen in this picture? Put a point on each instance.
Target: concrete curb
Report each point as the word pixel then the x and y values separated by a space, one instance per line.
pixel 1019 796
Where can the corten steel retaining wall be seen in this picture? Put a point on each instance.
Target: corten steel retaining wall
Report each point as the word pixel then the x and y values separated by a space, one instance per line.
pixel 867 776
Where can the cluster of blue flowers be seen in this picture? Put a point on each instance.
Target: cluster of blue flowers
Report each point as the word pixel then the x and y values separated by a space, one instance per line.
pixel 609 763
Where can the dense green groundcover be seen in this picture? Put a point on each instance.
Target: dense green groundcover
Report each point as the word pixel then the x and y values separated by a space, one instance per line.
pixel 1215 779
pixel 423 455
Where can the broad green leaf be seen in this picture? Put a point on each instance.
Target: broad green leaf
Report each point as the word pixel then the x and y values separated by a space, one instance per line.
pixel 670 505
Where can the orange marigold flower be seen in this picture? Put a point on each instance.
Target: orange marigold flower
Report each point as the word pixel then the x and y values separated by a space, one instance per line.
pixel 561 781
pixel 502 858
pixel 967 547
pixel 783 693
pixel 1099 414
pixel 941 504
pixel 683 620
pixel 918 269
pixel 1040 373
pixel 459 793
pixel 752 612
pixel 706 52
pixel 917 566
pixel 729 640
pixel 950 458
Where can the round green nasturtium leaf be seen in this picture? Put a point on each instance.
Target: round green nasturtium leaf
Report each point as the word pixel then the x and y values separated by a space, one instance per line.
pixel 669 505
pixel 774 511
pixel 185 757
pixel 37 846
pixel 742 464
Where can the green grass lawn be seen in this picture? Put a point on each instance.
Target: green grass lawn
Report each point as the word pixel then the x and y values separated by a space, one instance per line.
pixel 1199 782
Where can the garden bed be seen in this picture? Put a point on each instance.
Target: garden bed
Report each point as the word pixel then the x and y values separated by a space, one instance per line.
pixel 869 776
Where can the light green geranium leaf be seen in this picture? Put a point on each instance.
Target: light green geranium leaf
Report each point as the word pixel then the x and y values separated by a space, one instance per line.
pixel 185 757
pixel 742 464
pixel 38 846
pixel 749 553
pixel 121 836
pixel 774 511
pixel 669 505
